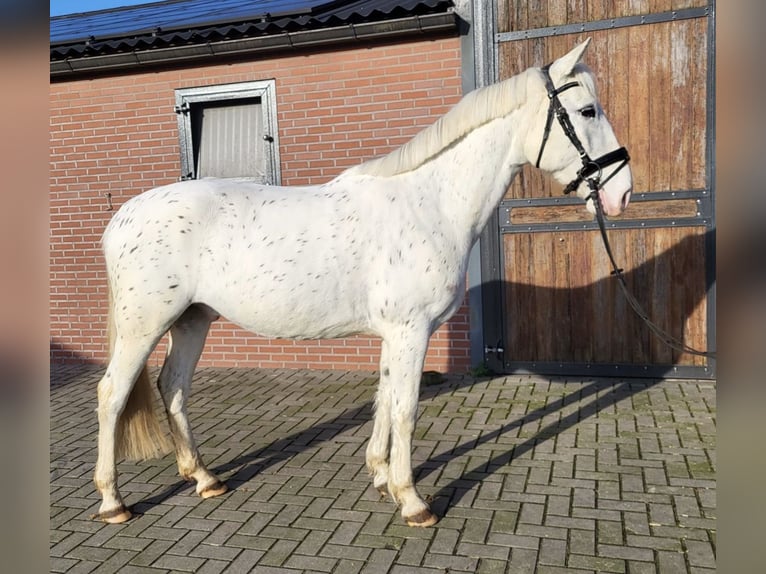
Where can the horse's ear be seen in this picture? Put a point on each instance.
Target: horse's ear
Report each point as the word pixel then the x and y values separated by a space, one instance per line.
pixel 564 66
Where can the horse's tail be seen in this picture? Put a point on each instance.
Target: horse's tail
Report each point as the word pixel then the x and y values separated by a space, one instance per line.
pixel 139 435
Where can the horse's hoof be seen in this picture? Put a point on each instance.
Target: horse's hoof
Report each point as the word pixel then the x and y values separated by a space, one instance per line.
pixel 424 519
pixel 215 489
pixel 115 516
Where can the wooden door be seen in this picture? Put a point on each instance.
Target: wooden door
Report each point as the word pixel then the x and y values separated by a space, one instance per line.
pixel 560 310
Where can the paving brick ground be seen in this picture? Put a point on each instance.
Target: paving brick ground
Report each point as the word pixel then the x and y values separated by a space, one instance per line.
pixel 529 474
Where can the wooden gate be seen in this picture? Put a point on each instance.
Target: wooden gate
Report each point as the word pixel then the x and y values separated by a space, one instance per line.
pixel 550 304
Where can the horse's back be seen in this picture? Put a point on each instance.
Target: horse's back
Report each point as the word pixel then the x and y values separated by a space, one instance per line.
pixel 324 261
pixel 274 260
pixel 164 206
pixel 178 214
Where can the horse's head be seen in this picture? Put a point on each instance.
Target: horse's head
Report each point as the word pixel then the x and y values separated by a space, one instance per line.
pixel 571 138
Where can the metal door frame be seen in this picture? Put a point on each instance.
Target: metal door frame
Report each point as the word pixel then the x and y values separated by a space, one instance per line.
pixel 485 284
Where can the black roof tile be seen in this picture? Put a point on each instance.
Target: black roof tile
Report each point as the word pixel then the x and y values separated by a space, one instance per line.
pixel 183 22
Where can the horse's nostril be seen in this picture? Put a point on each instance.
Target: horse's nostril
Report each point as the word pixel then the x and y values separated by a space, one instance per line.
pixel 626 199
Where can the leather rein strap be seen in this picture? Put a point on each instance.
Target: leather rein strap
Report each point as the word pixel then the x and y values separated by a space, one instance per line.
pixel 660 333
pixel 585 174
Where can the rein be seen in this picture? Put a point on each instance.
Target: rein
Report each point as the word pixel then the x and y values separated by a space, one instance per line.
pixel 661 334
pixel 596 166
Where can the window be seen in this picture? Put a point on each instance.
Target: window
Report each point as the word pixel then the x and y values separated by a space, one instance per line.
pixel 229 131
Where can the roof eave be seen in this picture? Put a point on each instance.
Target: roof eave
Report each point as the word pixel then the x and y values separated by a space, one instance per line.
pixel 137 59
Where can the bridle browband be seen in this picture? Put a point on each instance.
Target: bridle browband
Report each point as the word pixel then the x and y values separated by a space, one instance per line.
pixel 589 166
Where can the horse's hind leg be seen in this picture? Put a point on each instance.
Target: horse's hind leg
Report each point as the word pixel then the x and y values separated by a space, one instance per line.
pixel 406 353
pixel 380 440
pixel 187 338
pixel 115 387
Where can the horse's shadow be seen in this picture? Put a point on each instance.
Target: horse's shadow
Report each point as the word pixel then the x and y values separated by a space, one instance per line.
pixel 453 492
pixel 248 466
pixel 238 471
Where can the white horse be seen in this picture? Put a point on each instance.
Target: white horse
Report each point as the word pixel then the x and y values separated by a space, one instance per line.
pixel 381 250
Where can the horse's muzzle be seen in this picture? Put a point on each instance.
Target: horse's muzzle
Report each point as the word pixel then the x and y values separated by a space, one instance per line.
pixel 611 206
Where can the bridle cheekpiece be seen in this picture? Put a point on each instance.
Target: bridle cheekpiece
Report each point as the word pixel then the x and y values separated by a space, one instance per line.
pixel 589 166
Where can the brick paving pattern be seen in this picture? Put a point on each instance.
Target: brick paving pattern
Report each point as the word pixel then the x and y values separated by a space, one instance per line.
pixel 530 474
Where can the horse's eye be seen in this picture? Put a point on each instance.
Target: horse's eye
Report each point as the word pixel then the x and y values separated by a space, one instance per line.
pixel 588 111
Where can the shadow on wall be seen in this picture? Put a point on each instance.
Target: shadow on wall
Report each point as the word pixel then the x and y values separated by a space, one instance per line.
pixel 574 325
pixel 578 325
pixel 59 352
pixel 594 323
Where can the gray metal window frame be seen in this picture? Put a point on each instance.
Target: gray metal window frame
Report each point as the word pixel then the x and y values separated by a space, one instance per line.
pixel 264 90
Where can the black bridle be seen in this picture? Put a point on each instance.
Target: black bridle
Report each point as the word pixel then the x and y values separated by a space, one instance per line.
pixel 586 174
pixel 589 166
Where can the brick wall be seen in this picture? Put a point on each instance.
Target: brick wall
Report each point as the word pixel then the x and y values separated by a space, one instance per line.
pixel 118 135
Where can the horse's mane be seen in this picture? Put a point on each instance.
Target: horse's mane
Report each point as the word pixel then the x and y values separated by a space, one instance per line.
pixel 474 110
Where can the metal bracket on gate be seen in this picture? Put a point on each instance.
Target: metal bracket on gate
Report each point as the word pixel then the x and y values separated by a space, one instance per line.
pixel 497 350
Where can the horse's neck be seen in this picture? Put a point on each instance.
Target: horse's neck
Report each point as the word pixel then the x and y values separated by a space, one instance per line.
pixel 471 177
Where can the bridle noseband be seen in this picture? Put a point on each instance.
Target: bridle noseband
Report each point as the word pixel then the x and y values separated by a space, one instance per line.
pixel 589 166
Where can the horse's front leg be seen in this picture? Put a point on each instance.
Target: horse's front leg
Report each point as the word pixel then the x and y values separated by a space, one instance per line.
pixel 380 441
pixel 406 353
